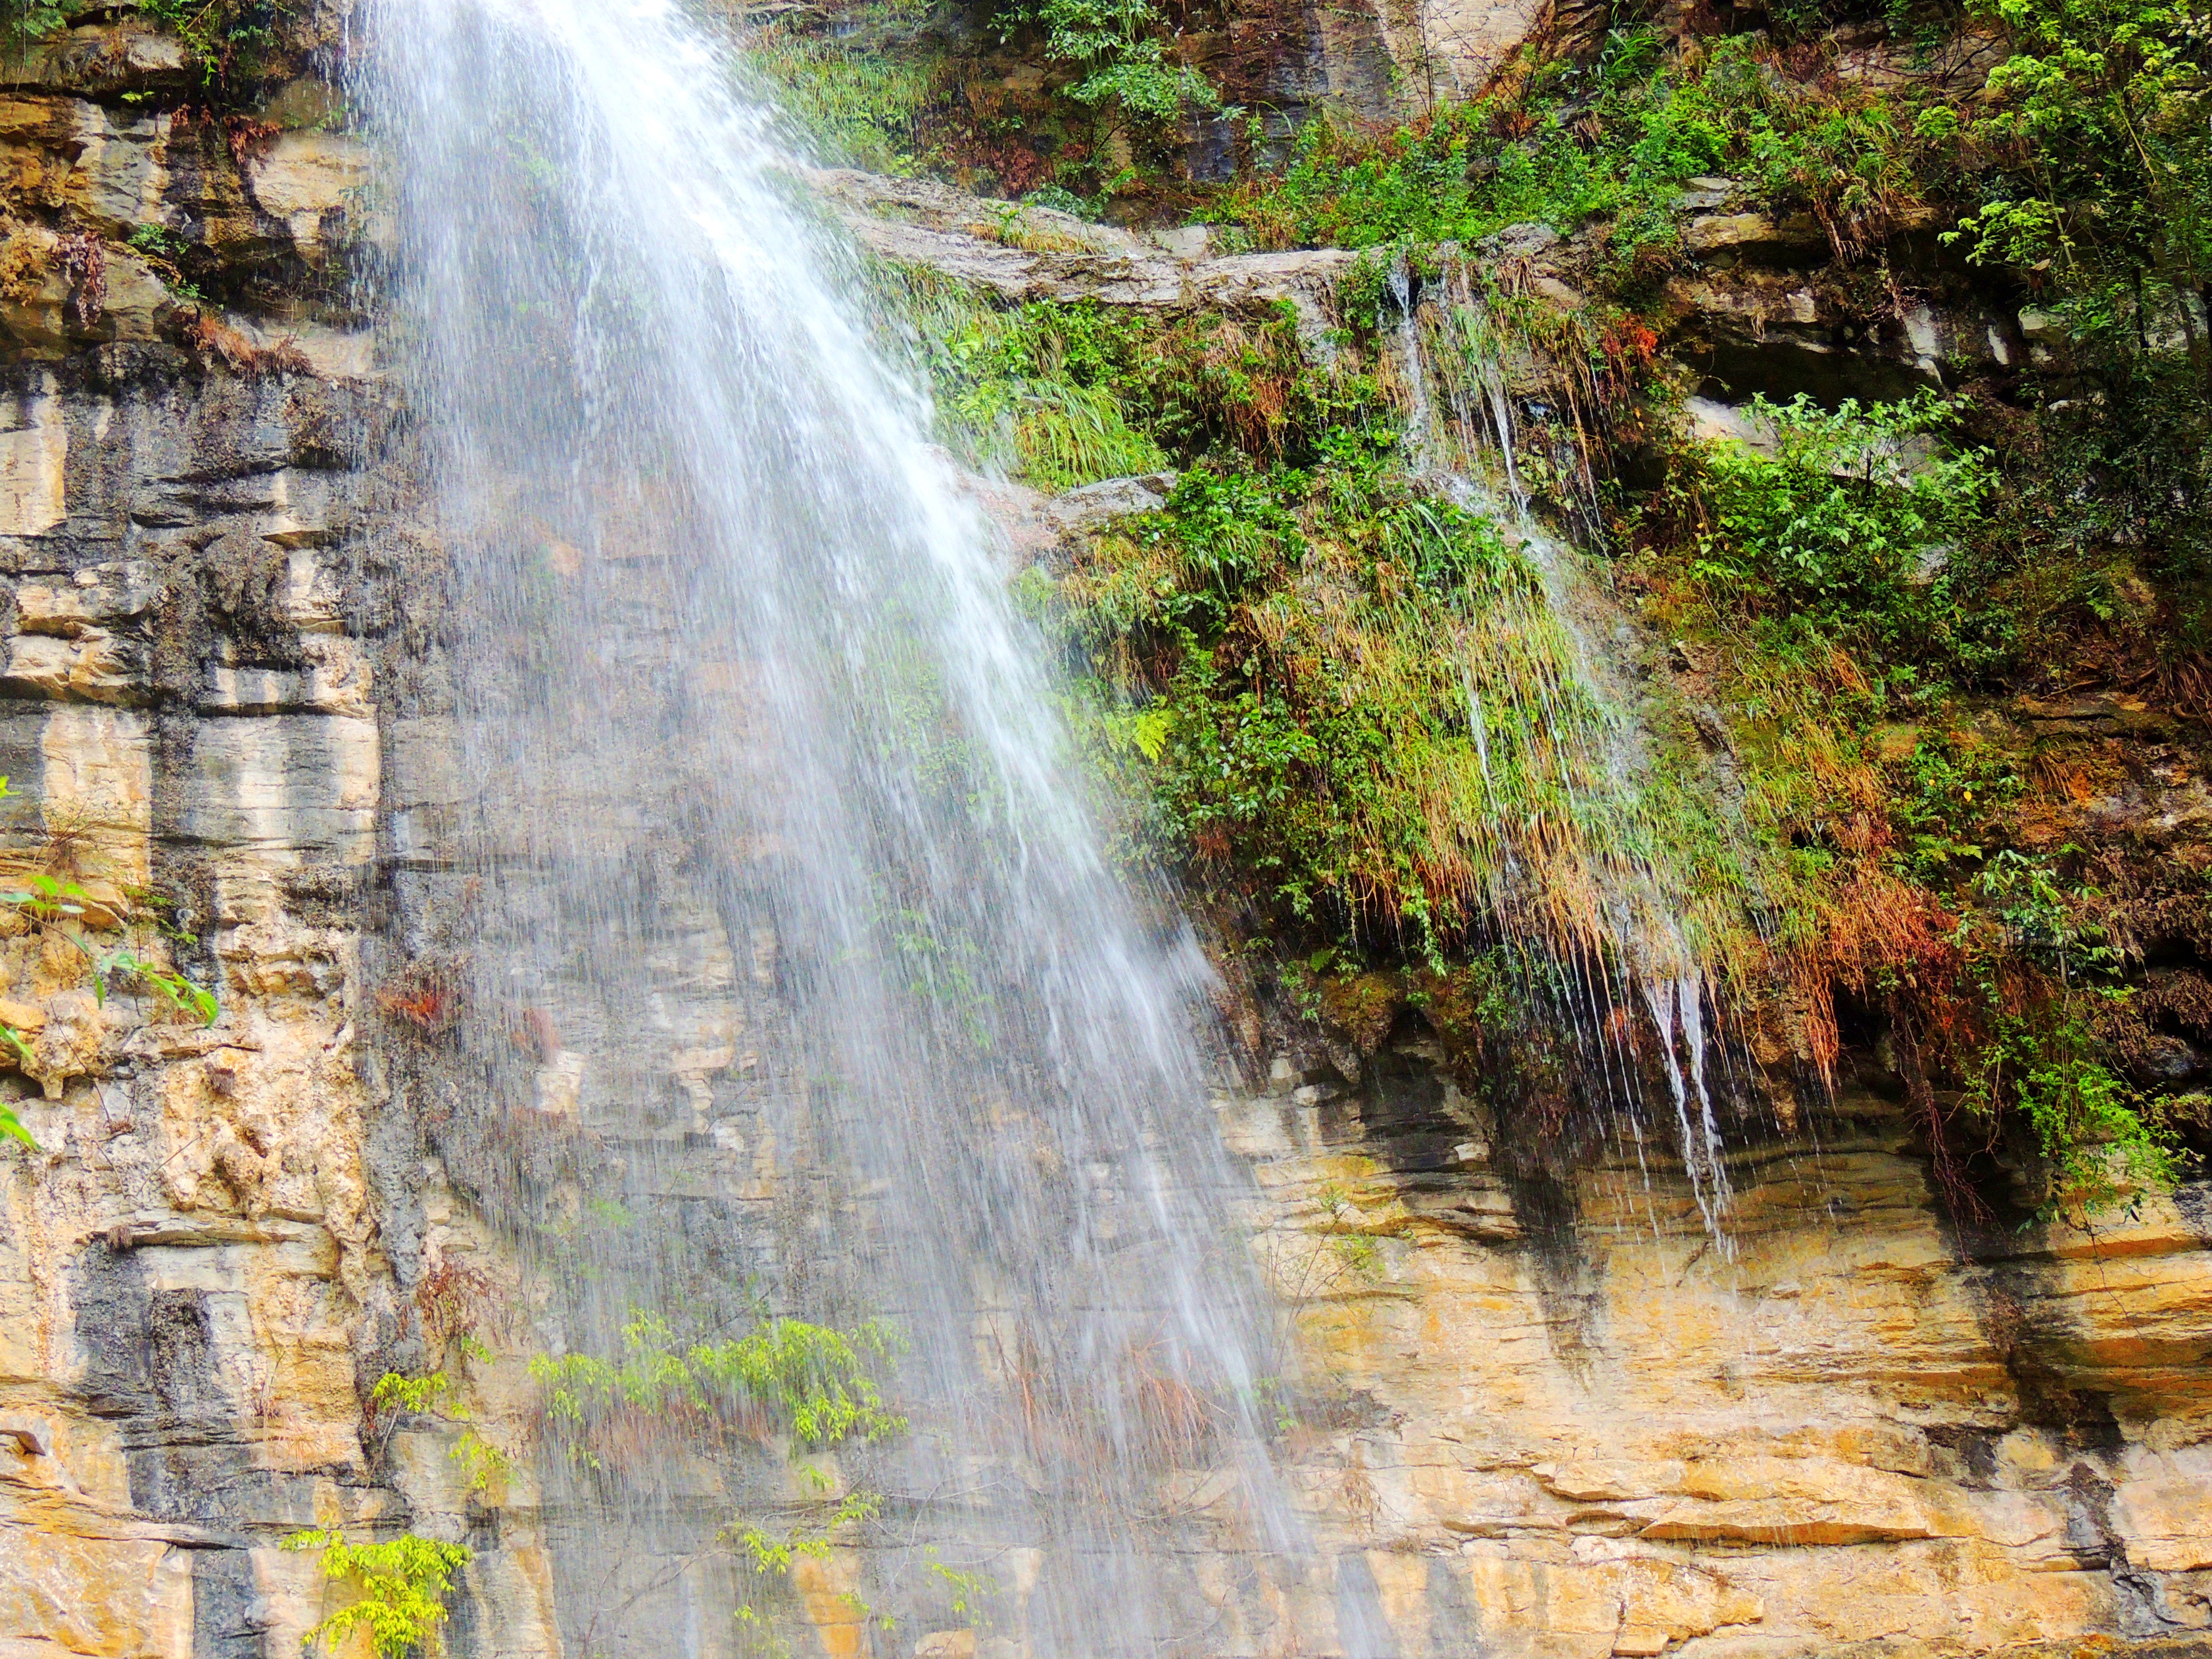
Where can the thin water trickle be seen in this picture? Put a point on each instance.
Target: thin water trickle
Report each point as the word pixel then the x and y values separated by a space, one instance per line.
pixel 781 908
pixel 1643 938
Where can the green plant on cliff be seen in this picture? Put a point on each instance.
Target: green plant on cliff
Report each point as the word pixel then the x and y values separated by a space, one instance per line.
pixel 786 1377
pixel 227 41
pixel 2098 162
pixel 1854 530
pixel 401 1584
pixel 1347 704
pixel 2043 1054
pixel 1611 142
pixel 436 1396
pixel 172 988
pixel 764 1561
pixel 22 22
pixel 56 903
pixel 1065 395
pixel 163 249
pixel 860 95
pixel 810 1539
pixel 1121 51
pixel 1031 389
pixel 1852 587
pixel 59 907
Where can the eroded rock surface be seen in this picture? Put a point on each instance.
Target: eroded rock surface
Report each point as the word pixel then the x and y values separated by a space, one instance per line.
pixel 1596 1429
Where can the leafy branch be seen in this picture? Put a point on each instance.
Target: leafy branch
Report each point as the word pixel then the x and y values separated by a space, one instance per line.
pixel 50 900
pixel 1120 48
pixel 434 1396
pixel 402 1586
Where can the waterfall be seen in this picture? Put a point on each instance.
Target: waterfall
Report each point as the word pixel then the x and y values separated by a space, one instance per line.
pixel 792 977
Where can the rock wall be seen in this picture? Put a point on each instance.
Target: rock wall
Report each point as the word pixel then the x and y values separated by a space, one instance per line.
pixel 1543 1410
pixel 199 633
pixel 1588 1426
pixel 187 1261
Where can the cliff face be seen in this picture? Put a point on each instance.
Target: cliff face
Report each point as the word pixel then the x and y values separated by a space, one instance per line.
pixel 192 726
pixel 1543 1410
pixel 1590 1431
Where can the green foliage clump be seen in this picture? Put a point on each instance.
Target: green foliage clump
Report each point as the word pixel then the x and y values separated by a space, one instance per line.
pixel 770 1554
pixel 860 96
pixel 2042 1053
pixel 22 22
pixel 1612 144
pixel 402 1585
pixel 396 1391
pixel 165 251
pixel 50 900
pixel 2097 163
pixel 1855 586
pixel 1120 49
pixel 1035 389
pixel 1066 395
pixel 764 1561
pixel 56 904
pixel 787 1376
pixel 1855 527
pixel 1347 702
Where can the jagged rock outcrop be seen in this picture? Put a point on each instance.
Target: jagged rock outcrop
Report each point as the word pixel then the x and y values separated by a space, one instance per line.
pixel 1023 252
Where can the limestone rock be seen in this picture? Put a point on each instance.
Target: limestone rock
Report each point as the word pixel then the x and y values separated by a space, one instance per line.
pixel 70 1043
pixel 1544 1412
pixel 1027 254
pixel 105 59
pixel 1753 234
pixel 1077 510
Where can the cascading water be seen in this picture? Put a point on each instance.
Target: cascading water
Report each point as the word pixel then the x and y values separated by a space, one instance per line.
pixel 775 899
pixel 1634 926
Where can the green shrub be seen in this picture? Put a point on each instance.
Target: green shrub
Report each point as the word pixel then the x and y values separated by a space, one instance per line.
pixel 22 22
pixel 787 1376
pixel 402 1585
pixel 1849 526
pixel 2097 162
pixel 1119 50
